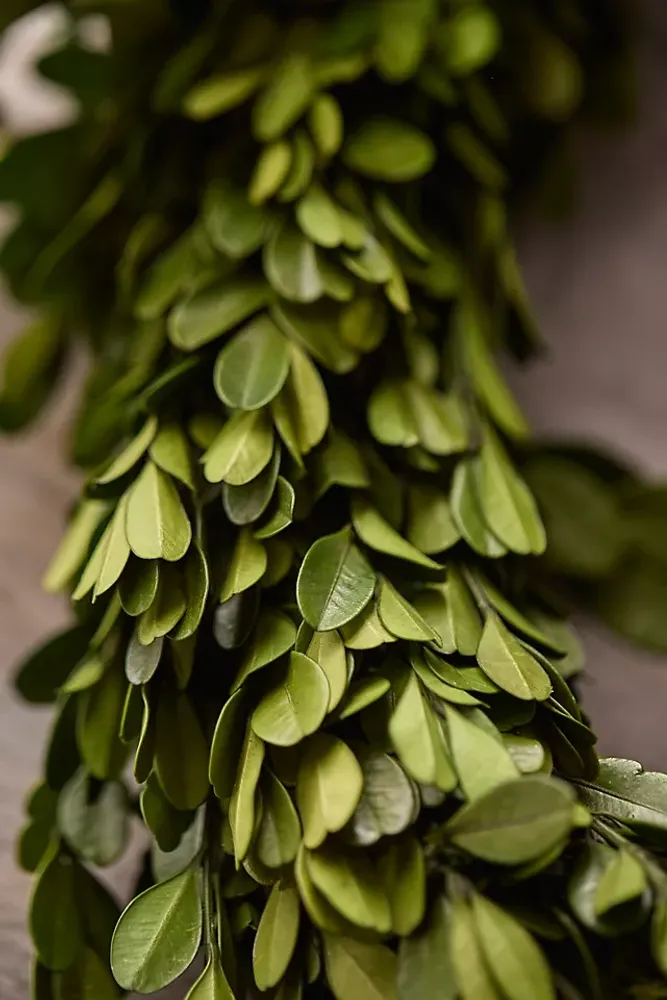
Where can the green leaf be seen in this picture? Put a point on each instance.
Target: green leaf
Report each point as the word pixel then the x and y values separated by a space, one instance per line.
pixel 207 314
pixel 139 586
pixel 218 94
pixel 371 263
pixel 242 808
pixel 471 973
pixel 281 512
pixel 318 217
pixel 467 511
pixel 226 746
pixel 403 871
pixel 516 961
pixel 317 329
pixel 171 452
pixel 274 636
pixel 96 828
pixel 399 227
pixel 366 631
pixel 301 171
pixel 470 40
pixel 400 618
pixel 431 528
pixel 325 121
pixel 291 267
pixel 167 824
pixel 507 504
pixel 425 966
pixel 46 669
pixel 156 522
pixel 271 170
pixel 89 976
pixel 451 611
pixel 196 587
pixel 417 737
pixel 276 938
pixel 158 935
pixel 55 922
pixel 659 935
pixel 279 833
pixel 629 794
pixel 296 706
pixel 480 760
pixel 328 649
pixel 285 99
pixel 516 618
pixel 109 557
pixel 252 369
pixel 181 752
pixel 75 545
pixel 359 971
pixel 321 913
pixel 30 367
pixel 388 150
pixel 212 984
pixel 234 226
pixel 329 787
pixel 509 664
pixel 422 667
pixel 528 753
pixel 246 566
pixel 301 411
pixel 166 610
pixel 130 455
pixel 387 806
pixel 516 823
pixel 378 534
pixel 335 582
pixel 242 449
pixel 98 725
pixel 363 693
pixel 363 323
pixel 623 880
pixel 141 661
pixel 349 883
pixel 246 504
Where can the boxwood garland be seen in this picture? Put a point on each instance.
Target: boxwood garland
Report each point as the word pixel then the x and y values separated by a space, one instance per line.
pixel 309 610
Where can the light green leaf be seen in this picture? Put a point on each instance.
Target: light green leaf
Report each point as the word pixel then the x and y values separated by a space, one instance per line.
pixel 158 935
pixel 467 511
pixel 363 323
pixel 75 545
pixel 635 797
pixel 171 452
pixel 471 972
pixel 432 682
pixel 431 528
pixel 366 631
pixel 212 984
pixel 109 557
pixel 242 811
pixel 389 150
pixel 328 649
pixel 234 226
pixel 55 921
pixel 281 512
pixel 196 586
pixel 340 463
pixel 507 504
pixel 528 754
pixel 207 314
pixel 393 219
pixel 301 411
pixel 166 610
pixel 515 959
pixel 274 636
pixel 217 94
pixel 357 970
pixel 291 267
pixel 246 567
pixel 316 328
pixel 438 418
pixel 285 99
pixel 425 966
pixel 279 833
pixel 347 880
pixel 325 121
pixel 450 610
pixel 139 586
pixel 624 879
pixel 400 618
pixel 335 582
pixel 329 787
pixel 417 737
pixel 131 454
pixel 378 534
pixel 318 217
pixel 296 706
pixel 509 664
pixel 387 806
pixel 253 367
pixel 321 913
pixel 156 523
pixel 516 823
pixel 271 170
pixel 363 693
pixel 276 936
pixel 303 165
pixel 372 263
pixel 242 449
pixel 516 618
pixel 480 760
pixel 403 872
pixel 390 416
pixel 181 752
pixel 402 38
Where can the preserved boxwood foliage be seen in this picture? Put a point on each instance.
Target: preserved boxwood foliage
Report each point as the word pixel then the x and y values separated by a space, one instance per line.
pixel 313 613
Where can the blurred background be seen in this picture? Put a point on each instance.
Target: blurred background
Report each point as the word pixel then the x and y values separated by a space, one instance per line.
pixel 599 284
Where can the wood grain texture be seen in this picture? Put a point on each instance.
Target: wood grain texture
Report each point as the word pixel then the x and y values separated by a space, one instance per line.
pixel 601 290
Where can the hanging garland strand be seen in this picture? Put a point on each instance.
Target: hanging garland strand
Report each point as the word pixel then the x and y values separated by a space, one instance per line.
pixel 309 609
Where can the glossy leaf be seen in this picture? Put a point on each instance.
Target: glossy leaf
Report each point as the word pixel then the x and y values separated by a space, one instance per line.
pixel 212 984
pixel 623 790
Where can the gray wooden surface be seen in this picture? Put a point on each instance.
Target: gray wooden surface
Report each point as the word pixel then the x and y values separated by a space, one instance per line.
pixel 601 289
